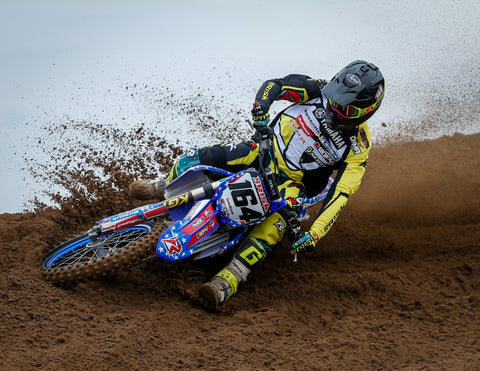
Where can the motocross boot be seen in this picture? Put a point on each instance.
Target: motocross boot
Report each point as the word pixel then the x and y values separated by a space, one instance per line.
pixel 225 283
pixel 147 189
pixel 185 162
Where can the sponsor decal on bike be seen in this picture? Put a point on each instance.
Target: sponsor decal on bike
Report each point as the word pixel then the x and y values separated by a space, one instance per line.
pixel 198 222
pixel 194 210
pixel 244 200
pixel 138 212
pixel 226 207
pixel 172 245
pixel 261 193
pixel 203 232
pixel 126 223
pixel 178 201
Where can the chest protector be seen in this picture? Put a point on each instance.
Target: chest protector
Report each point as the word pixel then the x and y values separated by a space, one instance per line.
pixel 305 140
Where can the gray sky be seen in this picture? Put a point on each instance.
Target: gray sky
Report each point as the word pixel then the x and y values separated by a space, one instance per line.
pixel 71 58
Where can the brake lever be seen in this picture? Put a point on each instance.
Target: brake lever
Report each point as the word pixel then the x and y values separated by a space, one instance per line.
pixel 293 226
pixel 263 136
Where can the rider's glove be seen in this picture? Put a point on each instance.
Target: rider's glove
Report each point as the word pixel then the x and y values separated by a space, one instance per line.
pixel 260 115
pixel 305 243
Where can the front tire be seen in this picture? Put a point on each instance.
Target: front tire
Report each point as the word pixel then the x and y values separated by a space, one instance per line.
pixel 81 258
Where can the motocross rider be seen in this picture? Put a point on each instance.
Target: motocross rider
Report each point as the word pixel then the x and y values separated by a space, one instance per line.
pixel 325 130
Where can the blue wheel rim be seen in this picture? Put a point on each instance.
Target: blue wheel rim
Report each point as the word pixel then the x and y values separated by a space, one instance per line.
pixel 77 251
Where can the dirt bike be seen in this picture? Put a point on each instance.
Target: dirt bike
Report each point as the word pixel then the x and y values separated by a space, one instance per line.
pixel 207 212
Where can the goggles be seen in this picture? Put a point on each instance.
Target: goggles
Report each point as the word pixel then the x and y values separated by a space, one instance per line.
pixel 352 112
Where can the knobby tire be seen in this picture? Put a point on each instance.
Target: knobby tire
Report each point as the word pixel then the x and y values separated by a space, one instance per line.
pixel 106 265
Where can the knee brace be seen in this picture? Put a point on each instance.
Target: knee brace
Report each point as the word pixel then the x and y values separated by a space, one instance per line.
pixel 251 253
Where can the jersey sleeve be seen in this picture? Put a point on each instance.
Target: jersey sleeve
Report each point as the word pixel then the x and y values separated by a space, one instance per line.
pixel 294 88
pixel 347 182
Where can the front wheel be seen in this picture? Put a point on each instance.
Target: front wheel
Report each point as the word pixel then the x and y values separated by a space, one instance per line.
pixel 81 258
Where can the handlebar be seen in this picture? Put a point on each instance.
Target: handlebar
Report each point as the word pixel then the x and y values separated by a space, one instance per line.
pixel 264 137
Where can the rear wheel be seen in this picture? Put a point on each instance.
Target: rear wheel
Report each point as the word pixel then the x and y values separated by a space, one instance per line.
pixel 83 258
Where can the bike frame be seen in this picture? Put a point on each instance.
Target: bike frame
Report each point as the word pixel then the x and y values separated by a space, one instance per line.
pixel 140 214
pixel 264 138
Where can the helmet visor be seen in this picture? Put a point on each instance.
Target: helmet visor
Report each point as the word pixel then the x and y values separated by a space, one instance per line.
pixel 352 112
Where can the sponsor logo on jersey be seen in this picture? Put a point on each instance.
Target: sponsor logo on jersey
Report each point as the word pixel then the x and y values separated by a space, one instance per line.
pixel 267 90
pixel 330 223
pixel 290 95
pixel 319 113
pixel 301 123
pixel 354 145
pixel 326 144
pixel 365 141
pixel 312 125
pixel 295 129
pixel 311 151
pixel 337 138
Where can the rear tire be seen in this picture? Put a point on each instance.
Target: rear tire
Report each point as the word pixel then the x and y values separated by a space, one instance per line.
pixel 81 258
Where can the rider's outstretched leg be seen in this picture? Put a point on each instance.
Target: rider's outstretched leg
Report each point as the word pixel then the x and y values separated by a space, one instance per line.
pixel 155 188
pixel 147 189
pixel 249 255
pixel 230 157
